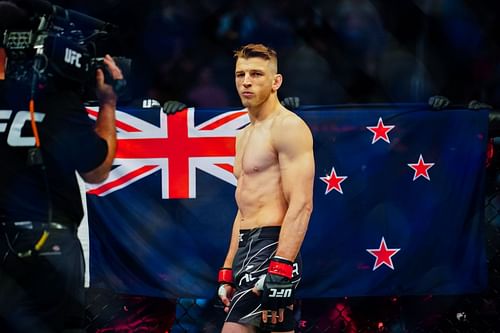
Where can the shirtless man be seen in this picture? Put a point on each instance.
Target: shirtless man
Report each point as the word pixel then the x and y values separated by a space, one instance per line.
pixel 274 166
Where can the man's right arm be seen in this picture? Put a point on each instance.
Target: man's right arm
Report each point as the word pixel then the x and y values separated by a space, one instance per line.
pixel 226 288
pixel 233 245
pixel 106 123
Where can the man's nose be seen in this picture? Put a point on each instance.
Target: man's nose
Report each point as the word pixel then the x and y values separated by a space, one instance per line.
pixel 246 80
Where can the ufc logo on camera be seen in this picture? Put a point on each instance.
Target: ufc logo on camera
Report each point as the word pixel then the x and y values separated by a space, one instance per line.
pixel 280 293
pixel 14 137
pixel 72 57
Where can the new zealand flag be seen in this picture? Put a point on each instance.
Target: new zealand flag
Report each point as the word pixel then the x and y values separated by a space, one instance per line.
pixel 398 202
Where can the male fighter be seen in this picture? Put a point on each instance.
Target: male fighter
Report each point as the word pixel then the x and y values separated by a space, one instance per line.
pixel 274 165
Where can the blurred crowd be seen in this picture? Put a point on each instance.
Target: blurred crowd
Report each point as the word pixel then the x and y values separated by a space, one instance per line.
pixel 331 51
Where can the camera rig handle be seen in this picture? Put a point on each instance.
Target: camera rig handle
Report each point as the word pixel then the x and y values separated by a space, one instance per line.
pixel 47 8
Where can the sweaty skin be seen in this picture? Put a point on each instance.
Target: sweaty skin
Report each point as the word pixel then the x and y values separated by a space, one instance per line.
pixel 274 162
pixel 259 194
pixel 274 166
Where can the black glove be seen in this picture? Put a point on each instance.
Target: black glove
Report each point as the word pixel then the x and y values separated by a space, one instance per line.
pixel 477 105
pixel 438 102
pixel 278 291
pixel 291 103
pixel 171 107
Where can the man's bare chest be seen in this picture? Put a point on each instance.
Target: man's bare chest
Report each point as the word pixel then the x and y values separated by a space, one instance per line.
pixel 256 152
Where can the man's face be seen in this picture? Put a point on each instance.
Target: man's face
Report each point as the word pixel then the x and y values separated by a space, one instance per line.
pixel 255 80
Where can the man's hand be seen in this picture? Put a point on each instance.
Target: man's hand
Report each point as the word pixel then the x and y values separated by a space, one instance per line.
pixel 477 105
pixel 291 103
pixel 105 123
pixel 104 91
pixel 277 290
pixel 226 292
pixel 438 102
pixel 171 107
pixel 226 288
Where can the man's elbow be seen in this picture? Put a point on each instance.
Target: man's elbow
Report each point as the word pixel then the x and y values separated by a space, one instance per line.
pixel 95 176
pixel 306 206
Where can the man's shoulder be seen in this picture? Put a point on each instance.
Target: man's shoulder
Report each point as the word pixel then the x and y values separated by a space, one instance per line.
pixel 290 132
pixel 289 121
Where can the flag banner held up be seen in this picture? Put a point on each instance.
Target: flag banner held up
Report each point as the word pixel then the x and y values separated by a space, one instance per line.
pixel 398 202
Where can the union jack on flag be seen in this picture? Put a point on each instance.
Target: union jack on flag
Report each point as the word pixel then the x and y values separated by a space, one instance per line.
pixel 385 193
pixel 177 147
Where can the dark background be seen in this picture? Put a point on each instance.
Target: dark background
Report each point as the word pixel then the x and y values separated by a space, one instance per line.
pixel 330 51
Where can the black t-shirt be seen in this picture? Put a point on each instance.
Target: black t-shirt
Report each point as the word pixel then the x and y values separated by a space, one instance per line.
pixel 68 143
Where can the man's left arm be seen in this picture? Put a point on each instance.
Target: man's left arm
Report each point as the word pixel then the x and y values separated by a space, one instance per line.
pixel 294 144
pixel 105 126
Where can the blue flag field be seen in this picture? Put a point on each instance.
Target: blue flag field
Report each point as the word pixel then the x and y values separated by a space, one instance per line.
pixel 398 202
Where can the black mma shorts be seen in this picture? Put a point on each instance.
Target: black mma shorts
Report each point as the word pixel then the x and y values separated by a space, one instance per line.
pixel 255 250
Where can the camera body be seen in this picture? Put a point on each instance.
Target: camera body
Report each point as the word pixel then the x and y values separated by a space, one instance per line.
pixel 53 54
pixel 59 44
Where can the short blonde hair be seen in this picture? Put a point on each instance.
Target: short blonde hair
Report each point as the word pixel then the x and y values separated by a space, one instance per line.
pixel 256 51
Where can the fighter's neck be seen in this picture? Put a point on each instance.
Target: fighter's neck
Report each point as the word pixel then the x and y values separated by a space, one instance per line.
pixel 264 111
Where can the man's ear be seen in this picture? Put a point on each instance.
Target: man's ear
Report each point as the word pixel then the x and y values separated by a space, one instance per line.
pixel 278 80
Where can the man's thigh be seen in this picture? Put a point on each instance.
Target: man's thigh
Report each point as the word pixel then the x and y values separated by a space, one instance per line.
pixel 237 328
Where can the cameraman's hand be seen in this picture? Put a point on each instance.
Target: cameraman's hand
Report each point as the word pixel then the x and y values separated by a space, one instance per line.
pixel 105 125
pixel 477 105
pixel 113 69
pixel 104 91
pixel 291 103
pixel 171 107
pixel 438 102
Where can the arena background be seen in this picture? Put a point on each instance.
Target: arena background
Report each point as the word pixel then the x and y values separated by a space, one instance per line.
pixel 331 52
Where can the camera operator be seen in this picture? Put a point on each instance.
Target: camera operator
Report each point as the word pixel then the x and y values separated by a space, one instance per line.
pixel 41 261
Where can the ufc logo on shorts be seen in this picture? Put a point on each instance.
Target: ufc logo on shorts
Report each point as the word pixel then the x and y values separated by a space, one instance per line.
pixel 14 138
pixel 280 293
pixel 248 277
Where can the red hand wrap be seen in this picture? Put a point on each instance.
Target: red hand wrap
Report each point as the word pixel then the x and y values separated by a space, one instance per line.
pixel 226 275
pixel 281 268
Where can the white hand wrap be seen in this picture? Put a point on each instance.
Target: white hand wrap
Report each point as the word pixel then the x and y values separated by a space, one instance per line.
pixel 222 292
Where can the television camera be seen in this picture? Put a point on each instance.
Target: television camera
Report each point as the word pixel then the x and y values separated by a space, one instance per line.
pixel 56 43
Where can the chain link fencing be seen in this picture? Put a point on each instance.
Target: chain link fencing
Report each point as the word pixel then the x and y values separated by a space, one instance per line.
pixel 109 312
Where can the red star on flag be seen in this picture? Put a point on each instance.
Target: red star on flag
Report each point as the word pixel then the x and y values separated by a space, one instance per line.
pixel 380 131
pixel 333 181
pixel 383 255
pixel 421 168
